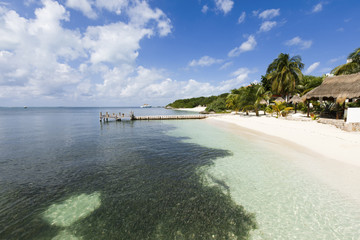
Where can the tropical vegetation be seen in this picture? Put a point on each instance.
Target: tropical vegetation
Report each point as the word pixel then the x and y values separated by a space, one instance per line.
pixel 284 73
pixel 352 65
pixel 283 78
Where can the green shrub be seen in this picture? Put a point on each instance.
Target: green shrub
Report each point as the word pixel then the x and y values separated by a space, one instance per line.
pixel 219 105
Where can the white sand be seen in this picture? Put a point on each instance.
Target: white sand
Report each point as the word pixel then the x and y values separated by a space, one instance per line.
pixel 323 139
pixel 195 109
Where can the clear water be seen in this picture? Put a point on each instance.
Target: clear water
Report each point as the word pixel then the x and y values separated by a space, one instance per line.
pixel 64 175
pixel 294 195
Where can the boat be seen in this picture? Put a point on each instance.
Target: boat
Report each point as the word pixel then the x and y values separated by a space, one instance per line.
pixel 25 107
pixel 146 106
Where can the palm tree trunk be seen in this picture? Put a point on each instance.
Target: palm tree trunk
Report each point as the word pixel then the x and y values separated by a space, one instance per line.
pixel 308 108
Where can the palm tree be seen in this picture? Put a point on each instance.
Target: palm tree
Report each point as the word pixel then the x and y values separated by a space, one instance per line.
pixel 284 72
pixel 308 83
pixel 232 101
pixel 352 66
pixel 261 94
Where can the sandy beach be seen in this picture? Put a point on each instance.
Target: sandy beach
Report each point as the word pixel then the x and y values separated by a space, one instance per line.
pixel 325 140
pixel 195 109
pixel 326 152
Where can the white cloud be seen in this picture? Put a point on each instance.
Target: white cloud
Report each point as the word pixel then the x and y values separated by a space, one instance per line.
pixel 34 48
pixel 267 26
pixel 204 9
pixel 246 46
pixel 142 14
pixel 108 44
pixel 312 67
pixel 224 5
pixel 116 6
pixel 297 41
pixel 317 8
pixel 205 61
pixel 242 18
pixel 226 65
pixel 82 5
pixel 40 58
pixel 239 77
pixel 269 14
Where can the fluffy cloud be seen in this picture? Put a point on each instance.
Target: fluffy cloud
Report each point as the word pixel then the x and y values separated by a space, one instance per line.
pixel 39 57
pixel 312 67
pixel 317 8
pixel 269 14
pixel 238 78
pixel 297 41
pixel 267 26
pixel 204 9
pixel 242 18
pixel 82 5
pixel 33 50
pixel 108 44
pixel 204 61
pixel 224 5
pixel 246 46
pixel 142 14
pixel 42 59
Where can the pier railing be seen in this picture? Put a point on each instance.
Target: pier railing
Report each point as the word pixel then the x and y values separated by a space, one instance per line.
pixel 131 116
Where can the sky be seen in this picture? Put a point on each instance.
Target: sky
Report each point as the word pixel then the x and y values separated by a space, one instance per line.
pixel 132 52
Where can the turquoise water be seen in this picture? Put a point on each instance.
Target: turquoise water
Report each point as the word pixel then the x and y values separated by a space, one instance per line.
pixel 288 190
pixel 65 175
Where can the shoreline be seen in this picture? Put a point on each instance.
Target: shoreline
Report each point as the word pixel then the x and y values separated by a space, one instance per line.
pixel 195 109
pixel 324 140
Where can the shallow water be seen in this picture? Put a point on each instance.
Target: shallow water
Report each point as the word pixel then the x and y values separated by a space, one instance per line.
pixel 291 192
pixel 64 175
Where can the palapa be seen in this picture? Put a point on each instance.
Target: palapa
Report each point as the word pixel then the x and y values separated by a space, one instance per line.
pixel 338 87
pixel 263 101
pixel 279 99
pixel 295 99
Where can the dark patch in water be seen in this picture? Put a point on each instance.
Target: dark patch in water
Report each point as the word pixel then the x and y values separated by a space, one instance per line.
pixel 150 186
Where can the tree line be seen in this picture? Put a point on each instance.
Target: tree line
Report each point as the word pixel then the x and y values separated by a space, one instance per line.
pixel 283 79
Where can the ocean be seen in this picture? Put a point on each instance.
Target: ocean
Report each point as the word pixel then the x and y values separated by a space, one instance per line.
pixel 65 175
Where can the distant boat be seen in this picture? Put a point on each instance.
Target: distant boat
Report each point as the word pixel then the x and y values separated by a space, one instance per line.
pixel 146 106
pixel 25 107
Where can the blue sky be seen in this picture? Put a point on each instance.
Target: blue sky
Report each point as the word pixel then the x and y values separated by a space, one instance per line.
pixel 126 53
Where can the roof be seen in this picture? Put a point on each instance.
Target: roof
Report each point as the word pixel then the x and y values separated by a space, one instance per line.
pixel 295 99
pixel 342 86
pixel 279 99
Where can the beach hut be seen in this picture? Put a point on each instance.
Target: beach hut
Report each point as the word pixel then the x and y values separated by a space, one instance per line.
pixel 263 101
pixel 295 100
pixel 336 89
pixel 279 99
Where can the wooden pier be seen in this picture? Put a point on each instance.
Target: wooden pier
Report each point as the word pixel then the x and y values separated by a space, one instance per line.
pixel 121 116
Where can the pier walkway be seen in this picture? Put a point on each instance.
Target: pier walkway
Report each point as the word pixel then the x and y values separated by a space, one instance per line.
pixel 119 117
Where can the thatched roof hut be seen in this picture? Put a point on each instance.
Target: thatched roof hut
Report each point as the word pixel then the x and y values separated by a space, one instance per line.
pixel 263 101
pixel 279 99
pixel 338 87
pixel 295 99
